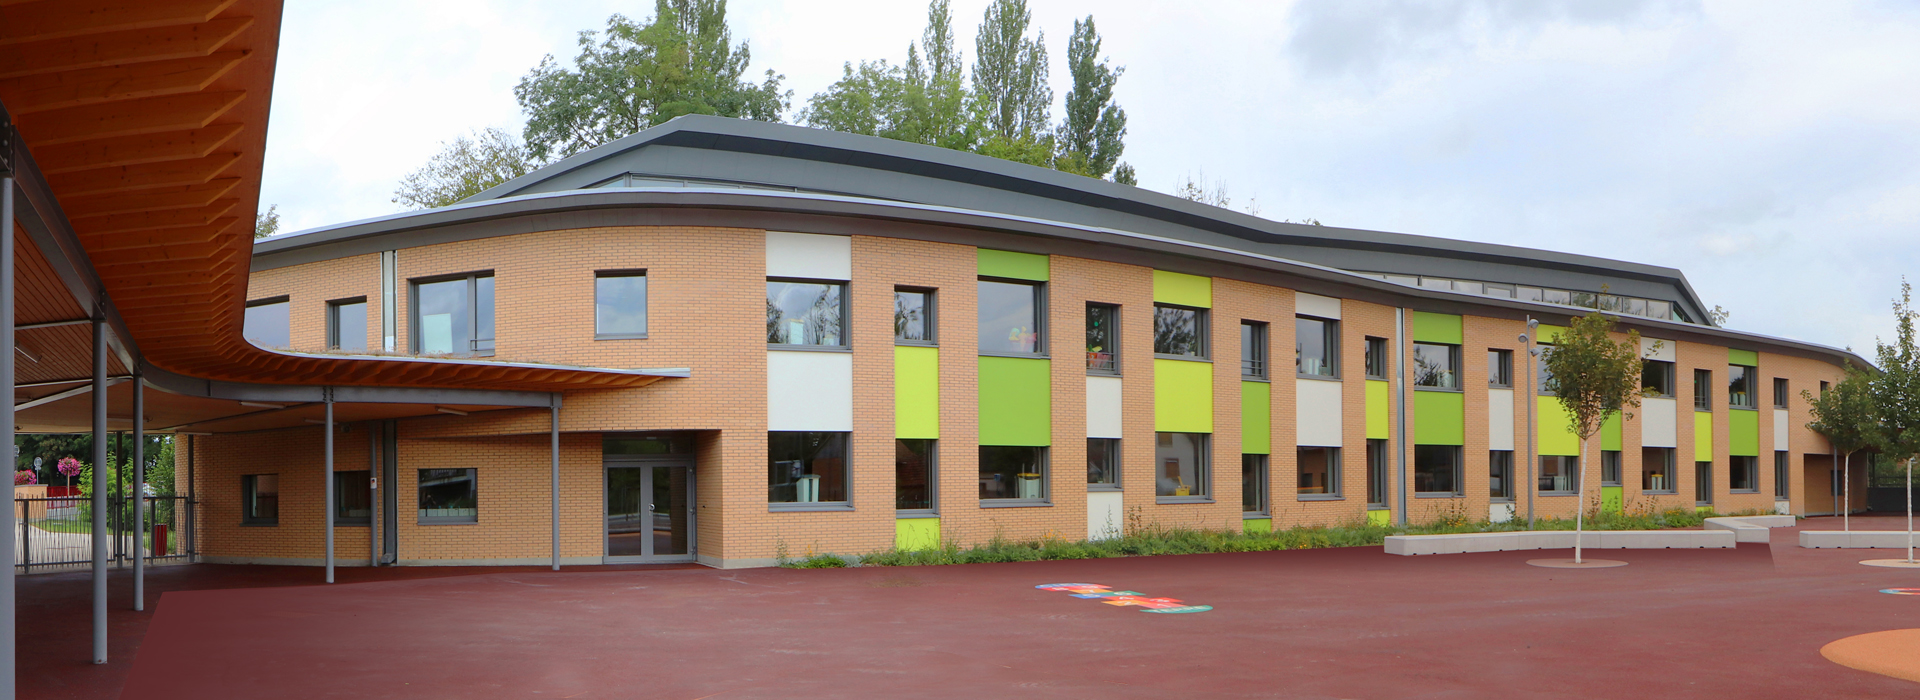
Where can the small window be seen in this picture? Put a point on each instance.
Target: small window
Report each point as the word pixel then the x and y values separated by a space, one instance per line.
pixel 454 316
pixel 1179 332
pixel 1103 339
pixel 449 496
pixel 1703 483
pixel 1253 350
pixel 1780 392
pixel 1559 474
pixel 347 325
pixel 1657 376
pixel 620 304
pixel 262 493
pixel 1319 472
pixel 353 497
pixel 1011 318
pixel 806 313
pixel 1103 464
pixel 1253 484
pixel 806 467
pixel 1823 388
pixel 913 480
pixel 1316 345
pixel 1436 366
pixel 1609 467
pixel 1013 475
pixel 1181 459
pixel 1545 377
pixel 1500 369
pixel 1702 390
pixel 1782 473
pixel 913 316
pixel 1740 389
pixel 1376 358
pixel 1500 475
pixel 266 323
pixel 1743 474
pixel 1378 462
pixel 1656 469
pixel 1436 470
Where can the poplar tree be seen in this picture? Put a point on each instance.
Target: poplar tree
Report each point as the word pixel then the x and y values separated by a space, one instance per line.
pixel 1093 130
pixel 1593 377
pixel 1011 97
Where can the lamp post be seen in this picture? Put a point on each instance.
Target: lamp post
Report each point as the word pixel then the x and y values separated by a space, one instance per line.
pixel 1533 354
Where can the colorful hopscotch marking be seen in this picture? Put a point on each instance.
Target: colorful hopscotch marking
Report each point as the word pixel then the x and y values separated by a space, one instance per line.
pixel 1106 594
pixel 1901 591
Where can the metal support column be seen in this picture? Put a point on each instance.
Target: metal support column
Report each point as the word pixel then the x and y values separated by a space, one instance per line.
pixel 1400 441
pixel 139 496
pixel 329 486
pixel 100 481
pixel 6 370
pixel 191 547
pixel 554 434
pixel 373 493
pixel 1527 341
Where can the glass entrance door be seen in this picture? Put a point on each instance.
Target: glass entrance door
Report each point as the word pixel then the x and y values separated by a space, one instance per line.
pixel 648 512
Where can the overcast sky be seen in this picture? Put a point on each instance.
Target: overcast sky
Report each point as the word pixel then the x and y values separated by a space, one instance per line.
pixel 1770 150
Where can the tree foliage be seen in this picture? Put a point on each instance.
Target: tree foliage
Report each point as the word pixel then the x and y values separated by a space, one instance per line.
pixel 267 223
pixel 465 167
pixel 1844 413
pixel 1010 90
pixel 1093 131
pixel 1592 375
pixel 1896 392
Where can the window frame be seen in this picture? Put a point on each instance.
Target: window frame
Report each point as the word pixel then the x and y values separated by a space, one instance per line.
pixel 929 315
pixel 250 495
pixel 1574 479
pixel 1379 466
pixel 1260 471
pixel 846 321
pixel 366 479
pixel 1334 489
pixel 1782 475
pixel 1611 460
pixel 473 311
pixel 1042 328
pixel 1459 471
pixel 1332 335
pixel 333 322
pixel 1376 354
pixel 1111 447
pixel 1782 392
pixel 648 303
pixel 1202 470
pixel 933 480
pixel 1502 462
pixel 447 519
pixel 1666 370
pixel 1670 460
pixel 1202 329
pixel 1499 368
pixel 1748 374
pixel 846 477
pixel 1258 368
pixel 1454 369
pixel 1752 469
pixel 1703 390
pixel 1703 483
pixel 1044 463
pixel 1112 348
pixel 269 301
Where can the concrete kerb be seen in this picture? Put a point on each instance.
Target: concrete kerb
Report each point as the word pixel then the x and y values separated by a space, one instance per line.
pixel 1858 539
pixel 1751 528
pixel 1412 545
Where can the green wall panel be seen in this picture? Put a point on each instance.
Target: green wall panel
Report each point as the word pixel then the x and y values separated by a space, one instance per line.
pixel 1379 517
pixel 1016 400
pixel 1185 290
pixel 1257 525
pixel 1743 433
pixel 1436 328
pixel 1439 418
pixel 1182 396
pixel 916 392
pixel 916 533
pixel 1379 408
pixel 1702 436
pixel 1011 265
pixel 1612 499
pixel 1555 437
pixel 1743 357
pixel 1256 418
pixel 1548 334
pixel 1610 433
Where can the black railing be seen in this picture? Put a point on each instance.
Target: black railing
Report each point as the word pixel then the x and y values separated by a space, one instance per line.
pixel 56 534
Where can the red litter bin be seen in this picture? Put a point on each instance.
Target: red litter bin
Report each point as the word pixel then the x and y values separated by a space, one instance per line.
pixel 159 541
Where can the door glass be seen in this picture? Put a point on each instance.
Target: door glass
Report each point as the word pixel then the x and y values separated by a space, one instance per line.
pixel 669 510
pixel 626 507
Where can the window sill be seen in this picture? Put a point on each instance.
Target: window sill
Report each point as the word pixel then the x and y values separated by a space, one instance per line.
pixel 1316 377
pixel 272 524
pixel 1177 500
pixel 1377 506
pixel 1558 494
pixel 1378 378
pixel 1103 488
pixel 475 521
pixel 1744 492
pixel 1449 390
pixel 1020 355
pixel 916 514
pixel 1668 492
pixel 1251 378
pixel 1614 484
pixel 1182 358
pixel 914 344
pixel 1499 386
pixel 1321 497
pixel 620 336
pixel 1095 372
pixel 1501 499
pixel 1015 503
pixel 1255 516
pixel 827 507
pixel 1439 495
pixel 1743 408
pixel 808 348
pixel 351 525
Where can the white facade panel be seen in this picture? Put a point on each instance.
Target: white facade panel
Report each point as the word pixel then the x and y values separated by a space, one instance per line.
pixel 1315 305
pixel 1665 352
pixel 809 256
pixel 1499 512
pixel 809 391
pixel 1317 413
pixel 1104 513
pixel 1659 424
pixel 1499 419
pixel 1103 407
pixel 1780 420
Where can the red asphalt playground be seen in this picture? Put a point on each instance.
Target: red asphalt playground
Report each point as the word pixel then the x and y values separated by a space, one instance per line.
pixel 1335 623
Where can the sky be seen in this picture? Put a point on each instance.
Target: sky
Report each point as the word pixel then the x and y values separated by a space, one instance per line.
pixel 1769 150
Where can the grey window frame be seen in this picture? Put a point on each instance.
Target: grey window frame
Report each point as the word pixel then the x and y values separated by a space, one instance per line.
pixel 1670 457
pixel 1113 344
pixel 449 519
pixel 1335 484
pixel 347 521
pixel 1262 476
pixel 1542 377
pixel 473 311
pixel 846 476
pixel 1332 334
pixel 249 493
pixel 1782 392
pixel 1782 475
pixel 269 301
pixel 1703 390
pixel 1379 464
pixel 1454 368
pixel 1611 459
pixel 1702 483
pixel 1749 373
pixel 1261 367
pixel 1540 472
pixel 333 321
pixel 1752 469
pixel 1499 368
pixel 1459 472
pixel 1496 460
pixel 1041 325
pixel 930 314
pixel 933 481
pixel 846 320
pixel 1666 368
pixel 1202 329
pixel 597 274
pixel 1046 481
pixel 1376 353
pixel 1112 447
pixel 1203 471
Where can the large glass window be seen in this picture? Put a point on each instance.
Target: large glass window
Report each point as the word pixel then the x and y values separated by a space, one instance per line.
pixel 1740 392
pixel 266 323
pixel 1103 339
pixel 1010 318
pixel 913 479
pixel 1656 469
pixel 449 496
pixel 1545 376
pixel 1609 467
pixel 1179 331
pixel 262 494
pixel 1780 393
pixel 1559 474
pixel 1657 376
pixel 1436 366
pixel 1253 484
pixel 1316 346
pixel 347 325
pixel 1378 461
pixel 913 322
pixel 1500 369
pixel 806 467
pixel 620 304
pixel 1703 483
pixel 1500 475
pixel 1702 390
pixel 1319 472
pixel 1376 358
pixel 1743 474
pixel 1103 464
pixel 1253 349
pixel 1016 474
pixel 1436 470
pixel 353 497
pixel 806 313
pixel 1782 470
pixel 454 316
pixel 1181 460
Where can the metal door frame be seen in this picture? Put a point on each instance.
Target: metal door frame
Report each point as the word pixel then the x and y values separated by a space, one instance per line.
pixel 646 463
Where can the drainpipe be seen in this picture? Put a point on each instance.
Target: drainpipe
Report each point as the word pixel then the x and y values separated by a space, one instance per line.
pixel 7 613
pixel 1399 388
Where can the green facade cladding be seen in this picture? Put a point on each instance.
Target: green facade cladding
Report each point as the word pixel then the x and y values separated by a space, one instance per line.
pixel 1702 436
pixel 1439 418
pixel 1182 289
pixel 1011 265
pixel 1016 399
pixel 1436 328
pixel 1256 418
pixel 1743 433
pixel 1743 357
pixel 1379 409
pixel 1610 433
pixel 916 392
pixel 916 533
pixel 1556 435
pixel 1182 396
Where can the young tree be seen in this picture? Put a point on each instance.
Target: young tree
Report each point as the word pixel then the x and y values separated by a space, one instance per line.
pixel 1011 97
pixel 922 102
pixel 1092 133
pixel 267 223
pixel 1844 414
pixel 1896 396
pixel 1594 378
pixel 465 167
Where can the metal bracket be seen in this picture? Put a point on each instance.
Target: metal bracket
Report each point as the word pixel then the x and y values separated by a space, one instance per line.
pixel 8 138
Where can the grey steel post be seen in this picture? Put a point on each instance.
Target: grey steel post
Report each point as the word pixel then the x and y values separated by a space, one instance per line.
pixel 192 548
pixel 329 505
pixel 554 434
pixel 100 482
pixel 1532 400
pixel 1399 388
pixel 139 495
pixel 373 494
pixel 6 369
pixel 1909 510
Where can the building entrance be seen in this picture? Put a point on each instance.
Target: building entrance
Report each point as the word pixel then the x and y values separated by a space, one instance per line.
pixel 649 511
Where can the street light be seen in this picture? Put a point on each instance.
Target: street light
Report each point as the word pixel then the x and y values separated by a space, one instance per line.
pixel 1533 354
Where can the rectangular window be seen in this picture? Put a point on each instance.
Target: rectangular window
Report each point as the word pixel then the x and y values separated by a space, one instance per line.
pixel 1703 483
pixel 913 316
pixel 1702 390
pixel 1609 467
pixel 1011 318
pixel 913 480
pixel 262 493
pixel 1656 469
pixel 1253 484
pixel 454 316
pixel 1376 358
pixel 1500 475
pixel 1436 366
pixel 1559 474
pixel 1179 332
pixel 619 304
pixel 1743 474
pixel 1253 350
pixel 449 496
pixel 1377 464
pixel 347 325
pixel 1782 472
pixel 1500 369
pixel 1657 377
pixel 1183 466
pixel 1436 470
pixel 1780 392
pixel 806 467
pixel 1740 392
pixel 1103 339
pixel 1319 469
pixel 1013 475
pixel 1103 464
pixel 266 323
pixel 1316 345
pixel 353 497
pixel 1823 388
pixel 803 312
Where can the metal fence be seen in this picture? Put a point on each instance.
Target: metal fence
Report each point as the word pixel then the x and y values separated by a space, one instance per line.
pixel 56 534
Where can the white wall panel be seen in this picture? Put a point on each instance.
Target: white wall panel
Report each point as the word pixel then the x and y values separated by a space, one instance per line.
pixel 1666 352
pixel 1781 419
pixel 1103 407
pixel 1315 305
pixel 1104 513
pixel 809 390
pixel 1317 412
pixel 1499 419
pixel 1659 424
pixel 809 255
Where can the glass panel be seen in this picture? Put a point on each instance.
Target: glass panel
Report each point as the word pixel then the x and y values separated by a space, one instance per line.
pixel 913 474
pixel 1434 365
pixel 1780 476
pixel 910 316
pixel 1500 367
pixel 1181 461
pixel 1546 375
pixel 263 497
pixel 443 319
pixel 1253 483
pixel 806 467
pixel 1177 331
pixel 448 494
pixel 1558 474
pixel 350 327
pixel 1528 293
pixel 353 497
pixel 1610 468
pixel 1609 302
pixel 1500 476
pixel 1636 307
pixel 1313 346
pixel 1587 300
pixel 1659 309
pixel 1318 468
pixel 1741 474
pixel 1702 389
pixel 1408 280
pixel 1435 468
pixel 266 326
pixel 804 313
pixel 1103 461
pixel 1656 469
pixel 1102 348
pixel 1556 296
pixel 1468 287
pixel 1012 472
pixel 669 512
pixel 1436 283
pixel 1657 376
pixel 1499 290
pixel 1739 388
pixel 1703 482
pixel 626 511
pixel 1253 349
pixel 483 315
pixel 1009 320
pixel 620 305
pixel 1376 472
pixel 1377 357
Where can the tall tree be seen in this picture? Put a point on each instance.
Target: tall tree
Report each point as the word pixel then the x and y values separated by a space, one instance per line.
pixel 465 167
pixel 1896 396
pixel 1011 97
pixel 870 100
pixel 1092 132
pixel 267 223
pixel 1593 377
pixel 1844 415
pixel 632 76
pixel 937 93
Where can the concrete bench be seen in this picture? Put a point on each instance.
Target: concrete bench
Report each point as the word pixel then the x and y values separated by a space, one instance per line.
pixel 1858 539
pixel 1750 528
pixel 1411 545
